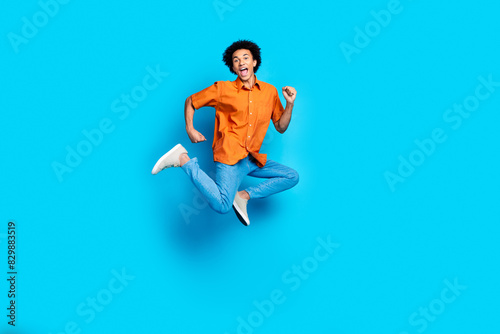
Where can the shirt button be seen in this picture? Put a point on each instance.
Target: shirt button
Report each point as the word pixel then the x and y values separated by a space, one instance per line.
pixel 250 101
pixel 250 113
pixel 250 124
pixel 248 136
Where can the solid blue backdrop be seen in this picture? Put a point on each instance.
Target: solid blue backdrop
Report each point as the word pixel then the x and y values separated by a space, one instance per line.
pixel 392 228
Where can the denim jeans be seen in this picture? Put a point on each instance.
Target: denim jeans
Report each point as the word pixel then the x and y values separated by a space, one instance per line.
pixel 221 192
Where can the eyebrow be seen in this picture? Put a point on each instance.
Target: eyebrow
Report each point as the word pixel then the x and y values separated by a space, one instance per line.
pixel 246 54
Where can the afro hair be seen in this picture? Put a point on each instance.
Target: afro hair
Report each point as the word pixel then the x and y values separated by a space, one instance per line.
pixel 227 57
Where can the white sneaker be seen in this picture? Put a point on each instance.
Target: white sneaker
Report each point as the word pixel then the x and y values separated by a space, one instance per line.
pixel 169 159
pixel 240 208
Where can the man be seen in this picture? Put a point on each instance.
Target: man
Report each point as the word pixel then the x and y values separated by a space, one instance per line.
pixel 244 108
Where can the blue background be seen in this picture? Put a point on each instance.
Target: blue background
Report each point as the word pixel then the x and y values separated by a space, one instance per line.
pixel 196 271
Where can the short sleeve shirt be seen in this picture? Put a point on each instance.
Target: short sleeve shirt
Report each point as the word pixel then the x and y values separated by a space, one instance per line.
pixel 242 118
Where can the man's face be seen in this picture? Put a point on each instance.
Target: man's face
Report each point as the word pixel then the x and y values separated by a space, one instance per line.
pixel 243 64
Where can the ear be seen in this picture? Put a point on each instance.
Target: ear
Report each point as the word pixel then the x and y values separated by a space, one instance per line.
pixel 254 63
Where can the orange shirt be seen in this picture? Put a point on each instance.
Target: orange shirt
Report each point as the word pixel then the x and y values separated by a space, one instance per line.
pixel 242 117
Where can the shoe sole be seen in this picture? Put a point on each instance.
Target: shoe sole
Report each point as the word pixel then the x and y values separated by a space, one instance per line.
pixel 240 217
pixel 158 163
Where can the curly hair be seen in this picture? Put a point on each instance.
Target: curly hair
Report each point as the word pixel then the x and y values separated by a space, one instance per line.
pixel 227 56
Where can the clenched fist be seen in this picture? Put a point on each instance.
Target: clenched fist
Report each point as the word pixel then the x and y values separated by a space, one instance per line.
pixel 289 93
pixel 195 136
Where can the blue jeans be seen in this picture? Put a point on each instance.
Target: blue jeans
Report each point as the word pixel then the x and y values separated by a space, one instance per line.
pixel 221 192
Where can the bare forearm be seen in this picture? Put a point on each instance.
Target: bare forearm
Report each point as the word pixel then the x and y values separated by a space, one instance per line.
pixel 194 135
pixel 284 121
pixel 189 113
pixel 290 94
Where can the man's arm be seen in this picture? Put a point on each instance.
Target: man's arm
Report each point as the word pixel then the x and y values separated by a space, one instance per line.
pixel 290 94
pixel 194 135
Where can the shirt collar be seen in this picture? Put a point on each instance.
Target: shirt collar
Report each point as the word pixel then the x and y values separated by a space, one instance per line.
pixel 240 84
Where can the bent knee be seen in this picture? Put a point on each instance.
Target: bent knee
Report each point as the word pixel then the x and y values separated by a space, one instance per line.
pixel 293 176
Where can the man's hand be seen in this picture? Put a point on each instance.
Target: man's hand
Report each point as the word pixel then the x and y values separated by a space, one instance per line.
pixel 195 136
pixel 289 93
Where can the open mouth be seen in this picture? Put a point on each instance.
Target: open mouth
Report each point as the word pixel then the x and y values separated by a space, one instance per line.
pixel 244 71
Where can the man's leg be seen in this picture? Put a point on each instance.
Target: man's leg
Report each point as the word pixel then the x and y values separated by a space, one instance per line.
pixel 279 178
pixel 221 192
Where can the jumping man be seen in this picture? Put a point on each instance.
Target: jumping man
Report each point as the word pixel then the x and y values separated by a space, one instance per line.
pixel 243 110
